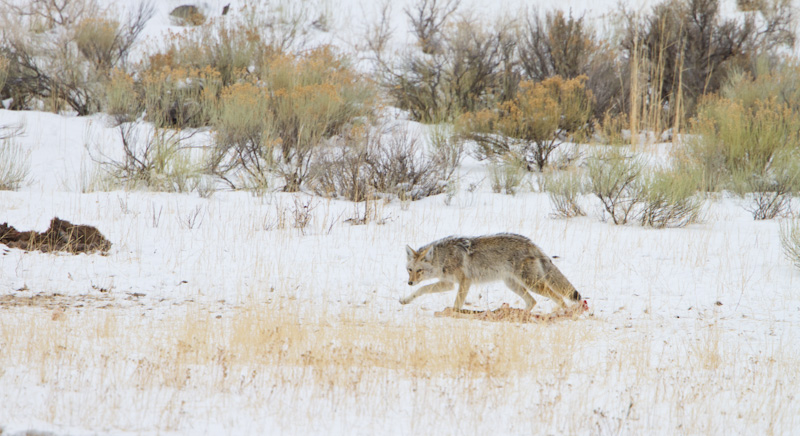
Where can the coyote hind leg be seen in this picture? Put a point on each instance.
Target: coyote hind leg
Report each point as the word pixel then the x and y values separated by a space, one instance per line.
pixel 520 290
pixel 533 274
pixel 463 288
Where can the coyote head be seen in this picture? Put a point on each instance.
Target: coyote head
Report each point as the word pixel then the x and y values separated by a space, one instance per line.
pixel 419 265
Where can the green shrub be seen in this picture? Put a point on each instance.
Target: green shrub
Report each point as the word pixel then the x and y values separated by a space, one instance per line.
pixel 507 174
pixel 669 200
pixel 748 146
pixel 97 40
pixel 770 189
pixel 616 180
pixel 123 99
pixel 302 101
pixel 179 97
pixel 790 240
pixel 245 134
pixel 770 80
pixel 230 50
pixel 3 72
pixel 15 164
pixel 564 189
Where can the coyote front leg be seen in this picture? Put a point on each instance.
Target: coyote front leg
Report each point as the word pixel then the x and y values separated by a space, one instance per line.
pixel 441 286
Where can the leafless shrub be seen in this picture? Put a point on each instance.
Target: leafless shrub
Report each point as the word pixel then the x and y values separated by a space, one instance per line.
pixel 155 215
pixel 400 167
pixel 47 14
pixel 379 34
pixel 427 18
pixel 462 66
pixel 192 219
pixel 369 214
pixel 769 202
pixel 156 159
pixel 559 45
pixel 343 168
pixel 302 213
pixel 8 131
pixel 385 160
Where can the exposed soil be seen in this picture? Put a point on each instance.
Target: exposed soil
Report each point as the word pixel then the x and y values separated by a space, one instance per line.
pixel 61 236
pixel 56 300
pixel 509 314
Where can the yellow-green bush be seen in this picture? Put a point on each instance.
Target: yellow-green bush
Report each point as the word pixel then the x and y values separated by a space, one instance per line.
pixel 790 240
pixel 564 189
pixel 669 199
pixel 615 179
pixel 180 97
pixel 3 71
pixel 300 101
pixel 15 164
pixel 123 99
pixel 534 122
pixel 97 39
pixel 745 147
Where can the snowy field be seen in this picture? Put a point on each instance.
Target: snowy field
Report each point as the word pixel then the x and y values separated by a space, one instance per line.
pixel 219 316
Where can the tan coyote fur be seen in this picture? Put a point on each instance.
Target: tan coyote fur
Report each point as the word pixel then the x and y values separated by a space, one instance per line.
pixel 514 259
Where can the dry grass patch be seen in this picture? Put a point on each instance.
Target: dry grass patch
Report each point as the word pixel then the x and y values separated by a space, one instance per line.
pixel 285 359
pixel 276 337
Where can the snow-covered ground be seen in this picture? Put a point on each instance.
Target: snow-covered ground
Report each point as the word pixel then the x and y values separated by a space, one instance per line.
pixel 217 316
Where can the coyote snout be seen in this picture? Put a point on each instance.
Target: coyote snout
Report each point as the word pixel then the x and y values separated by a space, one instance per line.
pixel 514 259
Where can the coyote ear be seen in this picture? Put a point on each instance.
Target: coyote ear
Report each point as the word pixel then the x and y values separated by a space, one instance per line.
pixel 410 252
pixel 427 254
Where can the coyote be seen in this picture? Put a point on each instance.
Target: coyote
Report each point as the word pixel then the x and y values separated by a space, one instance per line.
pixel 511 258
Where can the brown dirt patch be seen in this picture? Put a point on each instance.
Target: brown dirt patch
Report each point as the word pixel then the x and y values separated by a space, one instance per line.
pixel 509 314
pixel 61 236
pixel 55 301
